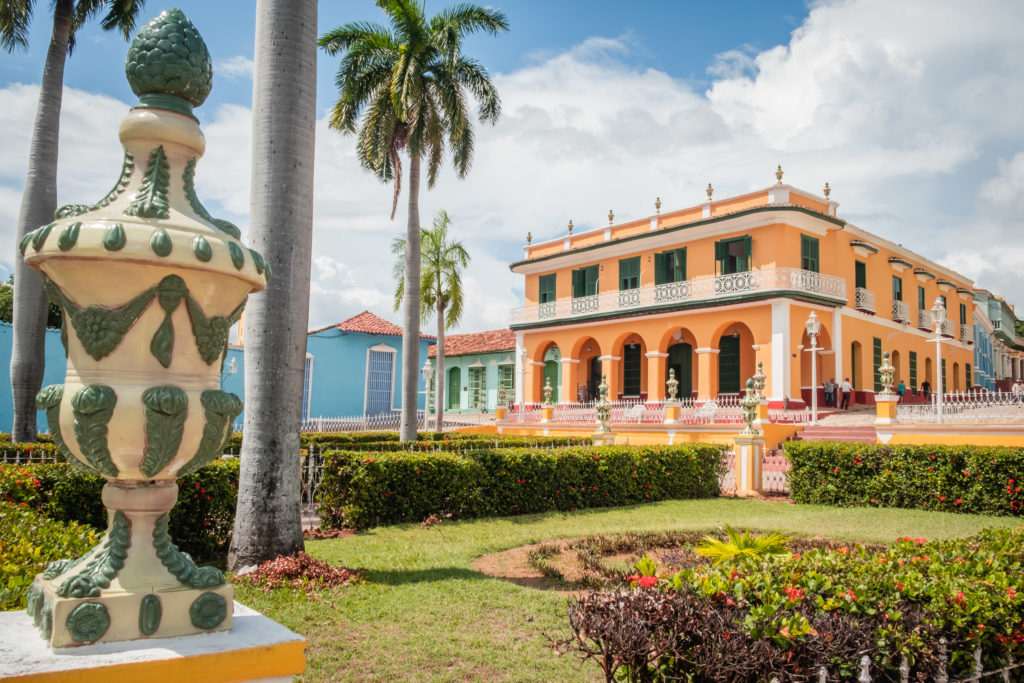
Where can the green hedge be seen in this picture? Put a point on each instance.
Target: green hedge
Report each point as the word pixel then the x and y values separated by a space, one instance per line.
pixel 362 489
pixel 969 479
pixel 389 441
pixel 28 542
pixel 201 520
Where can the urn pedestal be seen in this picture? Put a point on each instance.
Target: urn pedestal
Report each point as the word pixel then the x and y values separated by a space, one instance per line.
pixel 150 285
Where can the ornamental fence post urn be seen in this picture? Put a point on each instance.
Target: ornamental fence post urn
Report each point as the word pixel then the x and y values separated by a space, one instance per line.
pixel 150 284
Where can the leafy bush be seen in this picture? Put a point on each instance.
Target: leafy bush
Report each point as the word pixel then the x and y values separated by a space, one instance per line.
pixel 741 546
pixel 200 523
pixel 28 542
pixel 787 615
pixel 448 441
pixel 363 489
pixel 968 479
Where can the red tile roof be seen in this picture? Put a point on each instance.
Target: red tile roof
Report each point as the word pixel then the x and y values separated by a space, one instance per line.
pixel 477 342
pixel 368 323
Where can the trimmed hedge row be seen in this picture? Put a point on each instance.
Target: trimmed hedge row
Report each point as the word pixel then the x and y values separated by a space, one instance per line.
pixel 200 523
pixel 389 441
pixel 361 489
pixel 28 542
pixel 968 479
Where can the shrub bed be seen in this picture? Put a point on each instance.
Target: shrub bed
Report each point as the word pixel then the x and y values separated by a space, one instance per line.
pixel 363 489
pixel 200 523
pixel 28 542
pixel 786 615
pixel 969 479
pixel 448 441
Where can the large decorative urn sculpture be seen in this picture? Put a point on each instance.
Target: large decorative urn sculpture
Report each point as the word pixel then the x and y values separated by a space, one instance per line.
pixel 149 284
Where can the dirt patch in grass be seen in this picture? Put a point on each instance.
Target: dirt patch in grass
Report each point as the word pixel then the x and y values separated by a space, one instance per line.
pixel 514 566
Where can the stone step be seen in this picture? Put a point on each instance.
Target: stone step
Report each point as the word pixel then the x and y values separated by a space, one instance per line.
pixel 837 433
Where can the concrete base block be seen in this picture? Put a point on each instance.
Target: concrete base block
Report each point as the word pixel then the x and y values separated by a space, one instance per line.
pixel 255 649
pixel 604 439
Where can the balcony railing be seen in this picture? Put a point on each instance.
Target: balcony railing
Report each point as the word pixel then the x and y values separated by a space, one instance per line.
pixel 924 320
pixel 978 406
pixel 947 328
pixel 967 334
pixel 901 311
pixel 864 300
pixel 699 289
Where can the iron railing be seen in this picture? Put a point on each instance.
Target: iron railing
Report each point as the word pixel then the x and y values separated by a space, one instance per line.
pixel 978 406
pixel 864 300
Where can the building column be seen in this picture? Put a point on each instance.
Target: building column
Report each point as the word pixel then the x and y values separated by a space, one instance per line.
pixel 656 362
pixel 570 372
pixel 707 374
pixel 610 367
pixel 778 376
pixel 535 379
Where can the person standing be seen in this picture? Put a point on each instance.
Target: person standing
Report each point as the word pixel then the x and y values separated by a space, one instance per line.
pixel 901 389
pixel 846 388
pixel 830 392
pixel 926 388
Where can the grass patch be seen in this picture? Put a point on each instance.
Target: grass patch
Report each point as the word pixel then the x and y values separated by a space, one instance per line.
pixel 423 614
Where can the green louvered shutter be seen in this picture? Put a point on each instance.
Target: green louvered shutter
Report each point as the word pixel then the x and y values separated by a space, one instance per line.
pixel 719 257
pixel 679 267
pixel 913 369
pixel 968 370
pixel 876 344
pixel 659 269
pixel 577 288
pixel 744 265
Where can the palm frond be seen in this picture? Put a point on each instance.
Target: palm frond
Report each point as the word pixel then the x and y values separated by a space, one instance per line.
pixel 356 34
pixel 15 22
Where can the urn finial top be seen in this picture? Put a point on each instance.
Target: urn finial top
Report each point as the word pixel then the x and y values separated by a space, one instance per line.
pixel 168 65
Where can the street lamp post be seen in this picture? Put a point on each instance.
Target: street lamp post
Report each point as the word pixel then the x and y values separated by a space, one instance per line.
pixel 938 317
pixel 813 328
pixel 428 374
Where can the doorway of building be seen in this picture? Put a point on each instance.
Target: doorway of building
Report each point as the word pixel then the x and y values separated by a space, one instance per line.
pixel 729 365
pixel 551 377
pixel 454 389
pixel 594 379
pixel 680 359
pixel 631 370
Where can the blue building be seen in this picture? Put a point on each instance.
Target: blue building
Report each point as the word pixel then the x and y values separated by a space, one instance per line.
pixel 353 368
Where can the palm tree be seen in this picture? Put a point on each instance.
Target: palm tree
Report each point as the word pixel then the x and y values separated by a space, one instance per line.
pixel 404 89
pixel 440 288
pixel 39 199
pixel 268 518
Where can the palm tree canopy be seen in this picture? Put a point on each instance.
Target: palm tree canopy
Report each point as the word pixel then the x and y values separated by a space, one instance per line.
pixel 441 278
pixel 16 18
pixel 404 86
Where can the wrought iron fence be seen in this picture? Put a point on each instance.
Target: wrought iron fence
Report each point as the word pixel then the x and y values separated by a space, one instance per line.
pixel 19 457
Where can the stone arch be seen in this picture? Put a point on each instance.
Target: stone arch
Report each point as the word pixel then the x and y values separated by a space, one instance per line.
pixel 587 350
pixel 856 365
pixel 680 344
pixel 896 360
pixel 631 376
pixel 956 378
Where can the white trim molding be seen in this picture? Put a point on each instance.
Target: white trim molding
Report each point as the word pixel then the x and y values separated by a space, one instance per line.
pixel 656 354
pixel 707 350
pixel 602 358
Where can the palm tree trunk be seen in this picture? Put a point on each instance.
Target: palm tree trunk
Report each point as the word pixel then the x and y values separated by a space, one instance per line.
pixel 268 518
pixel 411 318
pixel 440 365
pixel 38 203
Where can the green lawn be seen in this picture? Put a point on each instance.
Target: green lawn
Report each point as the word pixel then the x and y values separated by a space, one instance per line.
pixel 424 614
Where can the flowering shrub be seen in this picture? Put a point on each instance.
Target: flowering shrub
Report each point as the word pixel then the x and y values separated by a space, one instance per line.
pixel 364 489
pixel 786 615
pixel 28 542
pixel 969 479
pixel 200 523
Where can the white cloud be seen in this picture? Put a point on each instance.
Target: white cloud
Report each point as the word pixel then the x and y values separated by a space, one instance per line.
pixel 235 68
pixel 908 109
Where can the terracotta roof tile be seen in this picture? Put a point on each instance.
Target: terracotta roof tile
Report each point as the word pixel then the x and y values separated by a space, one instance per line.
pixel 477 342
pixel 368 323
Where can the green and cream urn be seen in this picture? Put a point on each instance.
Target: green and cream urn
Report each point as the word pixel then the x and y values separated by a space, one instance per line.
pixel 150 284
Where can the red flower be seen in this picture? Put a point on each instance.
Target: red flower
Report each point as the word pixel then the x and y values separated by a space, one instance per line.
pixel 647 581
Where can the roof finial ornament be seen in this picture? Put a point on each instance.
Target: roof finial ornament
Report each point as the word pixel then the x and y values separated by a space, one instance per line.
pixel 710 190
pixel 611 217
pixel 778 174
pixel 657 205
pixel 570 226
pixel 828 191
pixel 529 237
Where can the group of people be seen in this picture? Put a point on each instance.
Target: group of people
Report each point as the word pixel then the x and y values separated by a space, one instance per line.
pixel 845 389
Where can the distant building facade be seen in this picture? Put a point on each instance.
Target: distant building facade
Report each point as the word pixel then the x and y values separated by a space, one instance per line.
pixel 479 369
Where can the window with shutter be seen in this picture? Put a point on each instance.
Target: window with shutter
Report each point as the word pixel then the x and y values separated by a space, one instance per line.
pixel 963 314
pixel 860 274
pixel 733 255
pixel 584 281
pixel 809 253
pixel 546 288
pixel 921 305
pixel 967 368
pixel 629 273
pixel 897 288
pixel 670 266
pixel 913 369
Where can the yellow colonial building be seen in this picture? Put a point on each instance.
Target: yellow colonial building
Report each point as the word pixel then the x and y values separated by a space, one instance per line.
pixel 710 290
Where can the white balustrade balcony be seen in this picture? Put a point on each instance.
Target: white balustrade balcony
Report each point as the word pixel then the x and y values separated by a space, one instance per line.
pixel 864 300
pixel 967 334
pixel 947 328
pixel 924 320
pixel 901 311
pixel 705 289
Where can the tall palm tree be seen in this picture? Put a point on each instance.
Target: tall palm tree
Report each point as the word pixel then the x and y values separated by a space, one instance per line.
pixel 440 288
pixel 404 89
pixel 268 521
pixel 39 199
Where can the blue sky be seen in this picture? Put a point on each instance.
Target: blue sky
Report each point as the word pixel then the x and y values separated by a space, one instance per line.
pixel 910 111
